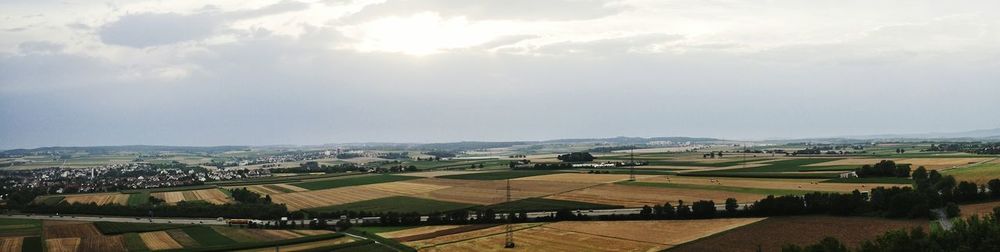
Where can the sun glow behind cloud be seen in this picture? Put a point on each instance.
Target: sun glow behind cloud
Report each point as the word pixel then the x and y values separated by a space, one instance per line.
pixel 424 33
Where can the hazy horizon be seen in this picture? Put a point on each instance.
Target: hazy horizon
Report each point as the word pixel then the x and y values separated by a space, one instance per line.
pixel 190 73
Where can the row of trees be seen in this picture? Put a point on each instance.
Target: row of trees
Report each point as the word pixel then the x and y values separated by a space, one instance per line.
pixel 972 147
pixel 971 234
pixel 181 209
pixel 576 157
pixel 884 168
pixel 245 196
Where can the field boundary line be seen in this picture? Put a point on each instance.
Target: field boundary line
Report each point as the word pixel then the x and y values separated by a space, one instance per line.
pixel 479 237
pixel 607 236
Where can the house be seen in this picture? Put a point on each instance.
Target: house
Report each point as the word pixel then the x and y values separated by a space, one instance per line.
pixel 849 175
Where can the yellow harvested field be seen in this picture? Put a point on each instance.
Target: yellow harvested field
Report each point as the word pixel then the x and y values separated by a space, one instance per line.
pixel 488 192
pixel 100 199
pixel 790 184
pixel 62 244
pixel 159 240
pixel 213 196
pixel 583 177
pixel 404 188
pixel 585 236
pixel 638 196
pixel 669 232
pixel 307 245
pixel 327 197
pixel 466 235
pixel 416 231
pixel 271 188
pixel 548 239
pixel 310 232
pixel 261 189
pixel 11 243
pixel 291 187
pixel 929 163
pixel 431 174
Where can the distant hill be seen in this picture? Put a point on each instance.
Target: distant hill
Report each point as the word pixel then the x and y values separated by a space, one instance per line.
pixel 124 148
pixel 983 134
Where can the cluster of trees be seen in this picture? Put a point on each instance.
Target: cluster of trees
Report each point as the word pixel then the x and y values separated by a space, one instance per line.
pixel 711 155
pixel 971 234
pixel 884 168
pixel 181 209
pixel 576 157
pixel 348 155
pixel 900 151
pixel 545 166
pixel 245 196
pixel 972 147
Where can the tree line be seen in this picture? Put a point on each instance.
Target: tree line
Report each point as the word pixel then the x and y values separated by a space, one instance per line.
pixel 970 234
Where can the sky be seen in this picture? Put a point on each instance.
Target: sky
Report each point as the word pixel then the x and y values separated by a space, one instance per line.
pixel 256 72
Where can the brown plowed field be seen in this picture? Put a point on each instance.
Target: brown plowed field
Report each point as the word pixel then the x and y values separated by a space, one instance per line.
pixel 638 196
pixel 773 233
pixel 90 238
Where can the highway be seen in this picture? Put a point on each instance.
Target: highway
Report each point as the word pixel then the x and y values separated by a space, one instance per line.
pixel 115 219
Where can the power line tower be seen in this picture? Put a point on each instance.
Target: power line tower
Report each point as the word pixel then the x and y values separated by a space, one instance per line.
pixel 631 163
pixel 509 243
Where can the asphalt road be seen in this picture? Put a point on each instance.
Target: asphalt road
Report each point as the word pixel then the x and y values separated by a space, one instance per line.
pixel 116 219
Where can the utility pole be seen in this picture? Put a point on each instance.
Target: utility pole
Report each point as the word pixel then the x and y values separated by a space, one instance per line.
pixel 510 228
pixel 631 162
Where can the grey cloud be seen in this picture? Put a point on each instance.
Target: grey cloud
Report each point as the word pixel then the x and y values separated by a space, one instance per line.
pixel 153 29
pixel 40 47
pixel 496 10
pixel 148 29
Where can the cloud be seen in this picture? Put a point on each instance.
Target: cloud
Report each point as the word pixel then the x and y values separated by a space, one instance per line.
pixel 155 29
pixel 40 47
pixel 495 10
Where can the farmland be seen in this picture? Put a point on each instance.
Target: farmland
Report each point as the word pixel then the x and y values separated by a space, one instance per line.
pixel 497 175
pixel 638 196
pixel 979 173
pixel 397 204
pixel 214 196
pixel 110 236
pixel 773 233
pixel 350 181
pixel 584 236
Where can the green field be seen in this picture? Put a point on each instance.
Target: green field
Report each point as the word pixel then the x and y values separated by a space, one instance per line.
pixel 139 198
pixel 206 236
pixel 980 173
pixel 399 204
pixel 363 180
pixel 52 200
pixel 498 175
pixel 778 169
pixel 454 164
pixel 541 204
pixel 761 191
pixel 134 243
pixel 20 227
